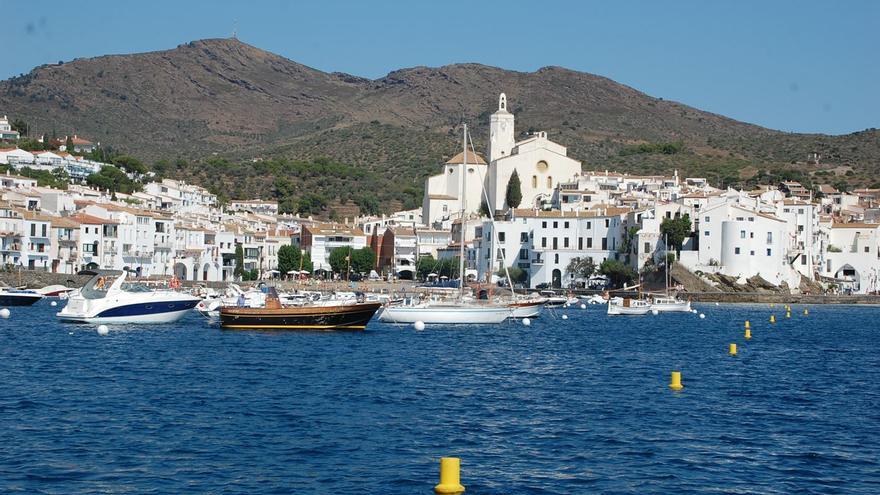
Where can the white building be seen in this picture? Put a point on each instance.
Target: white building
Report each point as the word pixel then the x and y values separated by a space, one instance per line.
pixel 319 240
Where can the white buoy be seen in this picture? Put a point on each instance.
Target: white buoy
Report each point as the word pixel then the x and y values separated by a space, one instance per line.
pixel 564 317
pixel 583 306
pixel 702 316
pixel 103 330
pixel 694 311
pixel 53 303
pixel 716 304
pixel 4 313
pixel 527 322
pixel 69 333
pixel 419 325
pixel 655 312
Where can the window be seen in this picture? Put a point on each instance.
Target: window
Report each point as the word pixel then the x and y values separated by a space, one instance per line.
pixel 801 211
pixel 751 253
pixel 739 219
pixel 523 254
pixel 565 225
pixel 565 242
pixel 549 182
pixel 580 243
pixel 589 225
pixel 769 237
pixel 556 258
pixel 803 260
pixel 523 237
pixel 735 250
pixel 501 237
pixel 605 243
pixel 543 242
pixel 555 225
pixel 543 225
pixel 769 252
pixel 751 235
pixel 867 249
pixel 606 222
pixel 706 219
pixel 589 242
pixel 705 233
pixel 555 243
pixel 800 228
pixel 647 247
pixel 89 248
pixel 742 234
pixel 751 219
pixel 534 182
pixel 668 215
pixel 44 230
pixel 33 230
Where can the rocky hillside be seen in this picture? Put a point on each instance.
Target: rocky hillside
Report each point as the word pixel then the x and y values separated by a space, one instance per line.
pixel 225 99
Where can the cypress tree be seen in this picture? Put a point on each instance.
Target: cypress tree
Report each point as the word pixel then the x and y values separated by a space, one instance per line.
pixel 513 195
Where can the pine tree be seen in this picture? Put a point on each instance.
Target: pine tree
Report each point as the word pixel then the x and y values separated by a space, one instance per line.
pixel 513 195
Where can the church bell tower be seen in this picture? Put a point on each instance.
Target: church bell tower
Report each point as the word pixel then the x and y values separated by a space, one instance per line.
pixel 500 131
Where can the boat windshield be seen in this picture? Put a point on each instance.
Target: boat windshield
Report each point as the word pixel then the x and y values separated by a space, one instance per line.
pixel 135 287
pixel 96 287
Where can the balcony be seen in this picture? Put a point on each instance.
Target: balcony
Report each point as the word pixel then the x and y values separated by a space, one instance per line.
pixel 537 261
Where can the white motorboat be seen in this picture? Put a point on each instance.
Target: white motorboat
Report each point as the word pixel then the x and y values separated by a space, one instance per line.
pixel 18 297
pixel 553 300
pixel 108 298
pixel 669 304
pixel 595 299
pixel 628 306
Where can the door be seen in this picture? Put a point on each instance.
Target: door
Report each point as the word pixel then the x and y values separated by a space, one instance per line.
pixel 557 279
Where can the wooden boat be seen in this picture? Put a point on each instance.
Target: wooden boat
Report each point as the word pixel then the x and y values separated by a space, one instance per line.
pixel 347 315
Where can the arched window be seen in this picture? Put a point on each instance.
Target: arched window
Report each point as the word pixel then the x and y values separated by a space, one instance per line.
pixel 549 182
pixel 534 182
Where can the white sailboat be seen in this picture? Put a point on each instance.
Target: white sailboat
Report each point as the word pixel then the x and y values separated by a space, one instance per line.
pixel 667 303
pixel 450 312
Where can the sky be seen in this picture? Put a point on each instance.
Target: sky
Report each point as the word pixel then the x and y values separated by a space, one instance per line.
pixel 798 66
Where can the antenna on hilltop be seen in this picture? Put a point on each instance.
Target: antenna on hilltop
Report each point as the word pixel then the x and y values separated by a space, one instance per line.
pixel 235 29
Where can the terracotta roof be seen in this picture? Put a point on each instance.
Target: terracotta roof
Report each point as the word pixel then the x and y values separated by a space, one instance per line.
pixel 332 228
pixel 854 225
pixel 92 220
pixel 65 223
pixel 472 159
pixel 593 213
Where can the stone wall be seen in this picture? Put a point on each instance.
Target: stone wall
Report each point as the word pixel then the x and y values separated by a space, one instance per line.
pixel 37 279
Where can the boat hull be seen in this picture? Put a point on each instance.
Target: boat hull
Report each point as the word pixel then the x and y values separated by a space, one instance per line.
pixel 449 315
pixel 7 299
pixel 141 313
pixel 526 309
pixel 679 307
pixel 344 317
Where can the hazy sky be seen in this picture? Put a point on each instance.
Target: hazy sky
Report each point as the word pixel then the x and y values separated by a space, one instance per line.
pixel 804 66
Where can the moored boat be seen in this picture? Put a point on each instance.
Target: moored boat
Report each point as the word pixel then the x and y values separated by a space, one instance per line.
pixel 669 304
pixel 18 297
pixel 526 308
pixel 107 298
pixel 346 315
pixel 628 306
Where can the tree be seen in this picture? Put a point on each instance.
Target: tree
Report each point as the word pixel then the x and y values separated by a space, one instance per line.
pixel 130 164
pixel 617 272
pixel 68 145
pixel 112 178
pixel 517 274
pixel 513 194
pixel 368 204
pixel 238 271
pixel 484 208
pixel 363 260
pixel 339 259
pixel 20 126
pixel 675 230
pixel 581 267
pixel 288 259
pixel 425 265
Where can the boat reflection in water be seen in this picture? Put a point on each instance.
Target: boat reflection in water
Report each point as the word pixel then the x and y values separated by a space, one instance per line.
pixel 352 314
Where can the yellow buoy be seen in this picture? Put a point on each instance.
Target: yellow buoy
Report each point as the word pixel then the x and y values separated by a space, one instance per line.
pixel 806 311
pixel 748 325
pixel 788 314
pixel 772 318
pixel 675 382
pixel 748 333
pixel 772 305
pixel 450 477
pixel 732 350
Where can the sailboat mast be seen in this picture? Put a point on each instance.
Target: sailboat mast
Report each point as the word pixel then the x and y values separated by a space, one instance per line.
pixel 461 216
pixel 666 262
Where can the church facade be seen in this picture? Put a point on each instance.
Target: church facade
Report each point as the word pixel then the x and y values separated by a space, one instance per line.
pixel 540 163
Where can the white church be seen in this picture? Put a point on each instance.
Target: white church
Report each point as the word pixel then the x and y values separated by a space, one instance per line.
pixel 540 163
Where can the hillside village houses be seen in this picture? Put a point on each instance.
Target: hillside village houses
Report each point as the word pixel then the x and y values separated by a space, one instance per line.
pixel 780 232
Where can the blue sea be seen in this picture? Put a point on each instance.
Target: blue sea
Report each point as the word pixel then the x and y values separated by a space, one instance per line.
pixel 571 406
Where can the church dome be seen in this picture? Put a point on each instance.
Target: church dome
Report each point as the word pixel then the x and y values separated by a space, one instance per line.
pixel 472 159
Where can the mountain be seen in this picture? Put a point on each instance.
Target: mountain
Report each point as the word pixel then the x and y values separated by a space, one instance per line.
pixel 228 100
